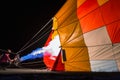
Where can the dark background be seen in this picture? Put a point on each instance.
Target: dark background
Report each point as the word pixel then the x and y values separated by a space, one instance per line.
pixel 20 21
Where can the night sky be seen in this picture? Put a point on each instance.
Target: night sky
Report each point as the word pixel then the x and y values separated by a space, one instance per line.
pixel 20 21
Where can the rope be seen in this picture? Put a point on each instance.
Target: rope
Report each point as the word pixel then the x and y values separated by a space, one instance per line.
pixel 36 63
pixel 33 37
pixel 33 62
pixel 37 33
pixel 32 43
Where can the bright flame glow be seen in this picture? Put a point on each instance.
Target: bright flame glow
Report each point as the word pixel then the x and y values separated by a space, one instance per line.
pixel 53 48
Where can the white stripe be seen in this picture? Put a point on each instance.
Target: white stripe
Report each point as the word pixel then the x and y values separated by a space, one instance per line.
pixel 104 66
pixel 102 53
pixel 54 46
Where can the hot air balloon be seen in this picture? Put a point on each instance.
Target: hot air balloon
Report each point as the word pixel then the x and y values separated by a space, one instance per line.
pixel 86 37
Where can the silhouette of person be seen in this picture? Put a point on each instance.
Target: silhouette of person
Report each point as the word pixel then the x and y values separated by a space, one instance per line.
pixel 5 59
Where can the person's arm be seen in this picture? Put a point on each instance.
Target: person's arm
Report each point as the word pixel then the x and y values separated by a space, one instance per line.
pixel 8 57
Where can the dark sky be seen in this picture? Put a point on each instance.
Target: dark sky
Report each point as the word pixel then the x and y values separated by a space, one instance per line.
pixel 20 21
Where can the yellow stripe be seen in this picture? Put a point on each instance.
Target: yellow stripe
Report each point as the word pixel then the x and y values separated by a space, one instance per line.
pixel 101 2
pixel 71 38
pixel 55 26
pixel 80 2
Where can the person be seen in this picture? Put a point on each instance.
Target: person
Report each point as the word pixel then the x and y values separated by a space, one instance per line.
pixel 5 59
pixel 16 60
